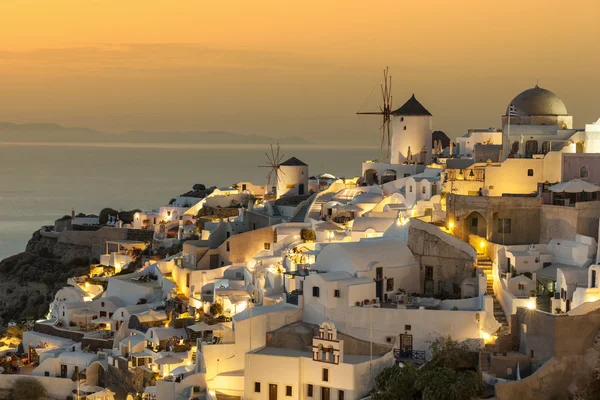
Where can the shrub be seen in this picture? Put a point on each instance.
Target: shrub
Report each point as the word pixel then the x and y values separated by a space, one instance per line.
pixel 27 389
pixel 308 235
pixel 216 309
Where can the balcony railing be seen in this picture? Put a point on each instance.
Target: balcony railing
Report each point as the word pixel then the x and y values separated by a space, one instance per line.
pixel 400 354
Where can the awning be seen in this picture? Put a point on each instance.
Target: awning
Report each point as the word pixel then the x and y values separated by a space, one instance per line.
pixel 102 320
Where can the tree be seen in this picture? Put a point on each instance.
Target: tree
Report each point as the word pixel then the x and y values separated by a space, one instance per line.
pixel 449 375
pixel 396 383
pixel 216 309
pixel 27 389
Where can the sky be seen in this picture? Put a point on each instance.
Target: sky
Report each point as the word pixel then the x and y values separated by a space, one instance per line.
pixel 290 68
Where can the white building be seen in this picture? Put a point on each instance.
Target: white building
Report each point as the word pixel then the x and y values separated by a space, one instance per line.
pixel 325 373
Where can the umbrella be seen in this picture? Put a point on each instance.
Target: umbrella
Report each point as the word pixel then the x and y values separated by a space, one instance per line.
pixel 170 359
pixel 103 394
pixel 201 327
pixel 574 186
pixel 102 320
pixel 90 388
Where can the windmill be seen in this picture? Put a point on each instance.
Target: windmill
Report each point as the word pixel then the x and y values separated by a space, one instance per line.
pixel 385 110
pixel 274 164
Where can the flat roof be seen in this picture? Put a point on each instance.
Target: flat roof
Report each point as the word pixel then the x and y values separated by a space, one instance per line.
pixel 284 352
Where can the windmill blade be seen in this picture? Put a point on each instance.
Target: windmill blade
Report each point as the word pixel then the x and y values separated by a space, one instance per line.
pixel 273 154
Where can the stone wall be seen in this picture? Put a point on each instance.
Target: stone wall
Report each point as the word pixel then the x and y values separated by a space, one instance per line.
pixel 559 222
pixel 452 260
pixel 524 213
pixel 560 349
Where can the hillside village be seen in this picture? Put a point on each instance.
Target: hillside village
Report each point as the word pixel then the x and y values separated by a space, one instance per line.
pixel 310 286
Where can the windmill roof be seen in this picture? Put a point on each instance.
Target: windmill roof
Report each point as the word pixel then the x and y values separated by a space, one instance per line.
pixel 411 107
pixel 293 162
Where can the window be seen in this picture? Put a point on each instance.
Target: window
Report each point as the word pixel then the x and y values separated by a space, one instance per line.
pixel 228 235
pixel 315 291
pixel 325 375
pixel 404 127
pixel 423 190
pixel 102 313
pixel 340 395
pixel 428 273
pixel 407 327
pixel 504 225
pixel 122 313
pixel 336 293
pixel 187 280
pixel 102 304
pixel 410 189
pixel 46 373
pixel 406 175
pixel 529 172
pixel 309 391
pixel 267 246
pixel 389 284
pixel 288 391
pixel 256 387
pixel 228 247
pixel 594 279
pixel 584 173
pixel 244 187
pixel 521 286
pixel 401 118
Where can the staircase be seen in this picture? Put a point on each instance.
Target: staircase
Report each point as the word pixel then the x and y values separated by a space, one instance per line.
pixel 484 263
pixel 314 212
pixel 301 214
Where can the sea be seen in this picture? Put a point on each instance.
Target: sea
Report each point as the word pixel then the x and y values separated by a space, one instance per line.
pixel 40 182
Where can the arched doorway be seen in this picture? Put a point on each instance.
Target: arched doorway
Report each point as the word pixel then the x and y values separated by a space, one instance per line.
pixel 95 374
pixel 476 224
pixel 371 177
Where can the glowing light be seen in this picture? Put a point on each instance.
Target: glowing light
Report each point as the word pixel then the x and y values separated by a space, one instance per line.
pixel 414 212
pixel 531 305
pixel 451 225
pixel 485 336
pixel 482 244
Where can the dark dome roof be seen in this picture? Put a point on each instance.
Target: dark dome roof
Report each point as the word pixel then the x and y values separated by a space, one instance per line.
pixel 538 101
pixel 412 108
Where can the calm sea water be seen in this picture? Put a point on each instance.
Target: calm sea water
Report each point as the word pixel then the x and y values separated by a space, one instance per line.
pixel 42 182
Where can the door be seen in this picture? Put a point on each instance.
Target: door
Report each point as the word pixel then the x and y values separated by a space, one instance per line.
pixel 63 371
pixel 406 343
pixel 301 188
pixel 272 392
pixel 379 283
pixel 429 282
pixel 325 393
pixel 474 223
pixel 214 261
pixel 593 278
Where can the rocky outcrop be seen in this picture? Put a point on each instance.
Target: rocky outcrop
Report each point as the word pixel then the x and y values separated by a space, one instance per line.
pixel 29 280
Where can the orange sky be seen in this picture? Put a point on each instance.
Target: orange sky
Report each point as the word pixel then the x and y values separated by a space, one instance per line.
pixel 289 67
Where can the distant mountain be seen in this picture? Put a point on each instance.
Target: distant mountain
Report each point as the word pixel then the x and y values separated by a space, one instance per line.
pixel 10 132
